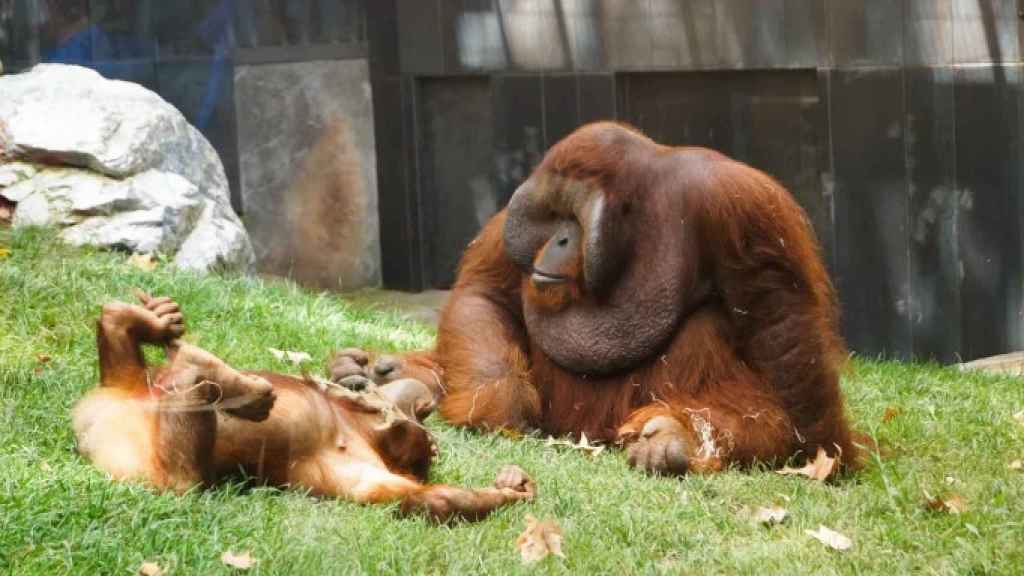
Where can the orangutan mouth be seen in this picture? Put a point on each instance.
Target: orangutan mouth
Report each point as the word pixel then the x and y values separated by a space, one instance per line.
pixel 544 279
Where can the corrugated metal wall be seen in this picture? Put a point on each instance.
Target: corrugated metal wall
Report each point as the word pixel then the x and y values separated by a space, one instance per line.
pixel 895 124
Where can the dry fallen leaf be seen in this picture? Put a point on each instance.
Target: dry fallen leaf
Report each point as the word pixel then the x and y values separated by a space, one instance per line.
pixel 541 537
pixel 830 538
pixel 241 561
pixel 950 503
pixel 4 252
pixel 150 569
pixel 43 358
pixel 294 358
pixel 592 448
pixel 144 262
pixel 891 413
pixel 769 516
pixel 1019 417
pixel 1016 465
pixel 819 469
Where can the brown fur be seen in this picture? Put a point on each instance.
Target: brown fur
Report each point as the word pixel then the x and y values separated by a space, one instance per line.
pixel 197 420
pixel 752 372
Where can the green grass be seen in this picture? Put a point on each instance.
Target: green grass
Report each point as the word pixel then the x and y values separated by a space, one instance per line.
pixel 59 515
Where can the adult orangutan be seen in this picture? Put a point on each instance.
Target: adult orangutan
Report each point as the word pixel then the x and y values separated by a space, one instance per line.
pixel 197 420
pixel 670 299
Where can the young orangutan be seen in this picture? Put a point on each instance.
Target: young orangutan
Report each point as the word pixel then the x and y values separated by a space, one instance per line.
pixel 197 420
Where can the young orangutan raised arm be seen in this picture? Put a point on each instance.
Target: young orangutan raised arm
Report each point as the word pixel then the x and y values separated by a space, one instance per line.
pixel 197 420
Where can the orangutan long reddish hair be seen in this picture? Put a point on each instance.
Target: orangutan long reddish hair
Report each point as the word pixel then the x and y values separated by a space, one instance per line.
pixel 671 299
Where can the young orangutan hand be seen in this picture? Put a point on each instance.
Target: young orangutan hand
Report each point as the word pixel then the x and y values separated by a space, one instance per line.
pixel 514 482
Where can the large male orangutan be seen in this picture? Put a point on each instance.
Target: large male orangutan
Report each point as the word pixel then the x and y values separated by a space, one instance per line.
pixel 671 299
pixel 197 420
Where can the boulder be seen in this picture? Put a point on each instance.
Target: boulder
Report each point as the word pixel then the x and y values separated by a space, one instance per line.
pixel 115 166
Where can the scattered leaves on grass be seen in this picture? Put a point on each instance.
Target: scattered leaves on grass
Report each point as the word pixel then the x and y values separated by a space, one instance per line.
pixel 241 561
pixel 818 469
pixel 292 357
pixel 144 262
pixel 1017 465
pixel 41 361
pixel 891 413
pixel 541 537
pixel 949 503
pixel 592 448
pixel 150 569
pixel 769 516
pixel 830 538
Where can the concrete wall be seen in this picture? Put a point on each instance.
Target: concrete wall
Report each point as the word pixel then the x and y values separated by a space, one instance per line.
pixel 308 171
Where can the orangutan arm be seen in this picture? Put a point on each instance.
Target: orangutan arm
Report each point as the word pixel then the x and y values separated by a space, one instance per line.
pixel 482 341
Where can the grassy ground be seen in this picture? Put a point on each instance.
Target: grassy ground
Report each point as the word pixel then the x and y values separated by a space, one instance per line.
pixel 955 433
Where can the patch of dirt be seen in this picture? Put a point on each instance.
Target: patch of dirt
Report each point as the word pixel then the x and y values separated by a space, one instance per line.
pixel 424 307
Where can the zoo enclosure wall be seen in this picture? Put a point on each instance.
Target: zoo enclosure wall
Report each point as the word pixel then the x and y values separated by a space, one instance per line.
pixel 895 123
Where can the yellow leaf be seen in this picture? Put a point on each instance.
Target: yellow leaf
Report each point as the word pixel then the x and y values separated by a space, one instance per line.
pixel 144 262
pixel 241 561
pixel 4 252
pixel 830 538
pixel 150 569
pixel 539 539
pixel 891 413
pixel 819 469
pixel 510 433
pixel 1016 465
pixel 1019 417
pixel 950 503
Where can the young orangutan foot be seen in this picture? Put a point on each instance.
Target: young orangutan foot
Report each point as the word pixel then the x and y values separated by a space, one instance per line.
pixel 162 320
pixel 411 396
pixel 660 446
pixel 348 368
pixel 386 369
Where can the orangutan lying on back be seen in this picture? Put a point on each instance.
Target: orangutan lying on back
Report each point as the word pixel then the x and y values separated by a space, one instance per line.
pixel 198 420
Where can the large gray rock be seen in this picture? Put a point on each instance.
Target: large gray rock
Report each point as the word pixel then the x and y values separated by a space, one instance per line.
pixel 116 166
